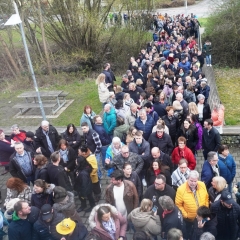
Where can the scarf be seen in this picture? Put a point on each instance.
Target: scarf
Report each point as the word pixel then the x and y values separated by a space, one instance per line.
pixel 110 227
pixel 64 155
pixel 50 147
pixel 116 151
pixel 156 172
pixel 165 212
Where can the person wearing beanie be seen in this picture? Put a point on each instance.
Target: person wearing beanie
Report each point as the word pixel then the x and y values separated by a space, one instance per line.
pixel 64 203
pixel 71 230
pixel 29 142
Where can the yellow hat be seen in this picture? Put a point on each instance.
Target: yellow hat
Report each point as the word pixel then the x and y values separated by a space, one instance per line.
pixel 66 226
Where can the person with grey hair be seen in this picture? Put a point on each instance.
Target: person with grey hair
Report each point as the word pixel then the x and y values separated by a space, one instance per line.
pixel 204 110
pixel 17 134
pixel 125 83
pixel 184 104
pixel 207 236
pixel 21 164
pixel 172 216
pixel 204 90
pixel 210 169
pixel 144 123
pixel 132 115
pixel 109 119
pixel 46 139
pixel 175 234
pixel 191 195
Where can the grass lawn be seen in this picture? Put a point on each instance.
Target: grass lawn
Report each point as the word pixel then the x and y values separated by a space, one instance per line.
pixel 203 21
pixel 228 87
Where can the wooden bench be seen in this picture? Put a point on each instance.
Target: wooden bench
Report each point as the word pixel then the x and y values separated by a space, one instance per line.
pixel 24 107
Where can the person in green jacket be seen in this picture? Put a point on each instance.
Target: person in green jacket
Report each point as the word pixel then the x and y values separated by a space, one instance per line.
pixel 109 119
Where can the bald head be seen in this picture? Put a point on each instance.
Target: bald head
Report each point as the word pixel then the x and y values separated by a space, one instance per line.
pixel 155 152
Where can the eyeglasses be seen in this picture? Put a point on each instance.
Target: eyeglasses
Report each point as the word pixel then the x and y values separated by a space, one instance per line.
pixel 158 184
pixel 125 152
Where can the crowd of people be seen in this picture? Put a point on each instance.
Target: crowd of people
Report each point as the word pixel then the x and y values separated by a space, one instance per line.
pixel 153 126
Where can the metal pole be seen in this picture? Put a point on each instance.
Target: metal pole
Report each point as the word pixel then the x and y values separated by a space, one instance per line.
pixel 30 65
pixel 186 10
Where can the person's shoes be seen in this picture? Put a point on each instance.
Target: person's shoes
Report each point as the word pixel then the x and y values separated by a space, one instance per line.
pixel 81 209
pixel 88 209
pixel 5 172
pixel 207 65
pixel 144 182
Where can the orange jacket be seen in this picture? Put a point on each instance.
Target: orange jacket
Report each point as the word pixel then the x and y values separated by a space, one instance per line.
pixel 218 116
pixel 186 202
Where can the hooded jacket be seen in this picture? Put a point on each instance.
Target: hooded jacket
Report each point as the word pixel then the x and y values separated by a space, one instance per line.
pixel 119 220
pixel 143 150
pixel 120 131
pixel 109 121
pixel 41 173
pixel 87 119
pixel 74 137
pixel 145 221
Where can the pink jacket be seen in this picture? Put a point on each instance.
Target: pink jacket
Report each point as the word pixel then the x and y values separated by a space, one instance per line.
pixel 218 116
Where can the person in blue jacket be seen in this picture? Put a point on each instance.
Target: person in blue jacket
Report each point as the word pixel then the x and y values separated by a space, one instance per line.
pixel 228 168
pixel 144 123
pixel 109 119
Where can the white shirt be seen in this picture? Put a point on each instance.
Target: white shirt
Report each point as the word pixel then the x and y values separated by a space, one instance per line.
pixel 200 110
pixel 118 197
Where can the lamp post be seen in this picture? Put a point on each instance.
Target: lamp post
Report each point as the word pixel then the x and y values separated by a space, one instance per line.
pixel 186 10
pixel 13 20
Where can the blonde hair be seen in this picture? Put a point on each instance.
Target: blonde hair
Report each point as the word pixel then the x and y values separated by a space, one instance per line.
pixel 155 73
pixel 118 89
pixel 100 78
pixel 220 183
pixel 192 108
pixel 126 95
pixel 177 106
pixel 139 81
pixel 145 205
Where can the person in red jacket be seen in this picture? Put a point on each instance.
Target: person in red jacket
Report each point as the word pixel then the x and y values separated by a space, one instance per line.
pixel 182 151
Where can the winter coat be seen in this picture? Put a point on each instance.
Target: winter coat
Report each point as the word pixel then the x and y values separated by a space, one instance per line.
pixel 209 226
pixel 109 121
pixel 186 201
pixel 227 220
pixel 120 131
pixel 134 159
pixel 73 137
pixel 151 177
pixel 160 108
pixel 134 178
pixel 208 174
pixel 218 116
pixel 172 125
pixel 46 197
pixel 20 137
pixel 173 219
pixel 214 195
pixel 143 150
pixel 47 231
pixel 205 91
pixel 145 221
pixel 154 194
pixel 164 143
pixel 25 195
pixel 83 183
pixel 88 119
pixel 189 96
pixel 119 220
pixel 104 137
pixel 154 115
pixel 20 229
pixel 41 173
pixel 211 141
pixel 200 133
pixel 121 113
pixel 93 162
pixel 70 164
pixel 80 232
pixel 131 118
pixel 177 155
pixel 207 49
pixel 5 152
pixel 103 92
pixel 130 196
pixel 58 176
pixel 228 168
pixel 206 112
pixel 191 136
pixel 67 207
pixel 146 128
pixel 16 170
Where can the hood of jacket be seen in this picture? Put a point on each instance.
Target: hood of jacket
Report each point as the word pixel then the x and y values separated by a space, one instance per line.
pixel 49 190
pixel 91 219
pixel 140 219
pixel 122 128
pixel 112 111
pixel 15 217
pixel 67 204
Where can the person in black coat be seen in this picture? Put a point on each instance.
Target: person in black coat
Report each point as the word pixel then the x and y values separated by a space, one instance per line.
pixel 57 174
pixel 83 183
pixel 190 132
pixel 159 108
pixel 228 217
pixel 44 133
pixel 203 109
pixel 40 162
pixel 161 140
pixel 205 222
pixel 172 123
pixel 72 136
pixel 172 216
pixel 155 169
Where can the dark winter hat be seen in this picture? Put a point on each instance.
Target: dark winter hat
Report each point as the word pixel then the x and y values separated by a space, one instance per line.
pixel 30 135
pixel 227 197
pixel 59 194
pixel 46 212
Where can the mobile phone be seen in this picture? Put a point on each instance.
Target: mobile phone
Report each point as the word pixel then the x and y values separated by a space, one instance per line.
pixel 204 220
pixel 155 208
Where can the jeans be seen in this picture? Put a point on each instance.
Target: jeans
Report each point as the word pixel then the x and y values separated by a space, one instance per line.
pixel 230 187
pixel 103 154
pixel 209 59
pixel 30 180
pixel 98 157
pixel 84 201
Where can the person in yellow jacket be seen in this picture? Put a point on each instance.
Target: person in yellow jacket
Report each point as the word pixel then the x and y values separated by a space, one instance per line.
pixel 189 197
pixel 91 158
